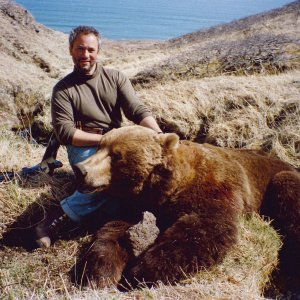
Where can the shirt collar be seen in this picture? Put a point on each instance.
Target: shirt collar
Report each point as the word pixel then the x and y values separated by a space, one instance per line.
pixel 84 77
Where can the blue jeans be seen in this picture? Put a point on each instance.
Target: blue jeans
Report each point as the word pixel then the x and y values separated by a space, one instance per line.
pixel 78 205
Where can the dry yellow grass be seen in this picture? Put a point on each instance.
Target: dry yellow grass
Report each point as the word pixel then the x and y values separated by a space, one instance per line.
pixel 240 112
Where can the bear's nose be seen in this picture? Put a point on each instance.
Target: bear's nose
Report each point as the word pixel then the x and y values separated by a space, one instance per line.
pixel 80 172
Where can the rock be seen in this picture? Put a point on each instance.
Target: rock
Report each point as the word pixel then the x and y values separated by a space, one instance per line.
pixel 143 234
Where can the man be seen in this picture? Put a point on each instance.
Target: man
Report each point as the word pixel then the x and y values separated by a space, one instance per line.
pixel 86 104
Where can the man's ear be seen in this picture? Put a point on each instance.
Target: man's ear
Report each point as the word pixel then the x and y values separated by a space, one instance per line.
pixel 70 50
pixel 169 141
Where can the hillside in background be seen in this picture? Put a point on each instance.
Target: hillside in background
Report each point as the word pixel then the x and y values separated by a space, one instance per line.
pixel 234 85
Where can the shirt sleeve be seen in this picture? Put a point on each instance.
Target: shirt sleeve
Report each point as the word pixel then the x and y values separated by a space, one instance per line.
pixel 62 114
pixel 131 105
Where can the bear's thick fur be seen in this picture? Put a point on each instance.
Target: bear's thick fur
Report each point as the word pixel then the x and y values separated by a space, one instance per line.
pixel 196 192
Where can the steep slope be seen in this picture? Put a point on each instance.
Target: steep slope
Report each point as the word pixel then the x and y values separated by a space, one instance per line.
pixel 32 58
pixel 267 43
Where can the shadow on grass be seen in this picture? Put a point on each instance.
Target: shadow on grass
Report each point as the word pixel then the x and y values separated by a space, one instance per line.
pixel 285 279
pixel 20 233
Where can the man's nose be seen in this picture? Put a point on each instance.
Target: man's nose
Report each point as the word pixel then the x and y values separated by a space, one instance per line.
pixel 85 53
pixel 80 172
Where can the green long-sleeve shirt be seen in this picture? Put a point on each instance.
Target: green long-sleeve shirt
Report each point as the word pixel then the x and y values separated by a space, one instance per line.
pixel 94 100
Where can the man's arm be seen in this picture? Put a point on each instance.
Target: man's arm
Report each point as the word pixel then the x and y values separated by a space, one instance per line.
pixel 82 138
pixel 62 114
pixel 150 123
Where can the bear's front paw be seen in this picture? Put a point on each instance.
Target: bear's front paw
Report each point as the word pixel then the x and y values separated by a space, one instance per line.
pixel 146 271
pixel 140 276
pixel 104 262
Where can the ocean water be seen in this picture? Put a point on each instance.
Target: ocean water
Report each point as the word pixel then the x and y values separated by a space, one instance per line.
pixel 144 19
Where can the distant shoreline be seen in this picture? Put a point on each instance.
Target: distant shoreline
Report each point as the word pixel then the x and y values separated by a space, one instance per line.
pixel 138 20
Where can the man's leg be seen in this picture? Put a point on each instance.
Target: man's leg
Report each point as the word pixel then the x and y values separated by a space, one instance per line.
pixel 74 207
pixel 79 205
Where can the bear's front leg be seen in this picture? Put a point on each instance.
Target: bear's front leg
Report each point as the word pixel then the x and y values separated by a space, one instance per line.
pixel 282 204
pixel 106 258
pixel 192 242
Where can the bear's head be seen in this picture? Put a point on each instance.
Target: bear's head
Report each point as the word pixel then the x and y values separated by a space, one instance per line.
pixel 126 160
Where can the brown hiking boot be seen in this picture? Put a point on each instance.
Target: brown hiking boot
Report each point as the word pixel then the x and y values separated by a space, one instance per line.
pixel 54 220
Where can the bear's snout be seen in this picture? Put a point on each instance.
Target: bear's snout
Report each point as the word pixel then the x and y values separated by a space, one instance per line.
pixel 80 175
pixel 80 172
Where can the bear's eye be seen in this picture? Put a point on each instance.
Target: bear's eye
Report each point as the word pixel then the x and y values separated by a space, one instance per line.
pixel 116 155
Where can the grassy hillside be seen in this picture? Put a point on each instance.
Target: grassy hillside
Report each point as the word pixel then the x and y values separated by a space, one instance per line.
pixel 29 62
pixel 235 85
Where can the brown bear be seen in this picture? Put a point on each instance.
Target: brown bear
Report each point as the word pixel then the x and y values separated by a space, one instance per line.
pixel 196 192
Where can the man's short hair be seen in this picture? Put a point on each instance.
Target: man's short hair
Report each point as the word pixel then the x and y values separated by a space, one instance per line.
pixel 75 32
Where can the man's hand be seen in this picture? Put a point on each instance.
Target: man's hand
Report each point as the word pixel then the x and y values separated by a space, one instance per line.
pixel 150 123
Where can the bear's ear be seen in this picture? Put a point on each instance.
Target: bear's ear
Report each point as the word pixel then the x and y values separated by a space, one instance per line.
pixel 169 140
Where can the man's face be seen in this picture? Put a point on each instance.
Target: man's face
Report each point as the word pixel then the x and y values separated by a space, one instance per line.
pixel 84 53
